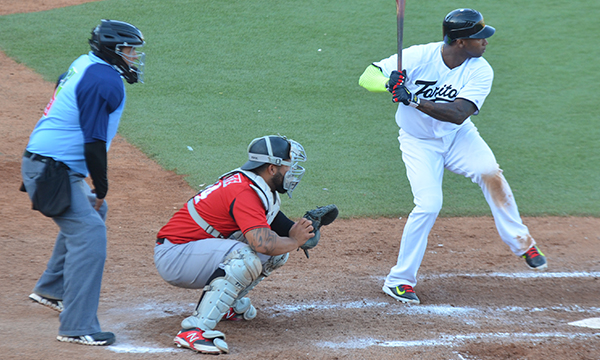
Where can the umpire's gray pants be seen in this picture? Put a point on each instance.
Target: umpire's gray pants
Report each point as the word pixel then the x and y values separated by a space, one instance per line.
pixel 74 271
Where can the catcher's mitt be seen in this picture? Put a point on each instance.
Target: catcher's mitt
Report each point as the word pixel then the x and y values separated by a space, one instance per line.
pixel 321 216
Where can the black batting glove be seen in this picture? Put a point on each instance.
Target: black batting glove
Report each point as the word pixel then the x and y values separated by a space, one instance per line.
pixel 396 79
pixel 403 95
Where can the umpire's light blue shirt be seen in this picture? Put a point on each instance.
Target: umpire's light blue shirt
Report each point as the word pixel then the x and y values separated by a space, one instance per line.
pixel 86 107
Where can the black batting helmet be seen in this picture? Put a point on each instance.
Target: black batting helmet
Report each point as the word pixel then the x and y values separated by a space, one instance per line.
pixel 465 24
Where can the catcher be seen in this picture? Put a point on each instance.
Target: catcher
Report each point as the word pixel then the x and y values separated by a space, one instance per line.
pixel 231 235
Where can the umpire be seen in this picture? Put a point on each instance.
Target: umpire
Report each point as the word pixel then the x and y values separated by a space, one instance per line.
pixel 69 141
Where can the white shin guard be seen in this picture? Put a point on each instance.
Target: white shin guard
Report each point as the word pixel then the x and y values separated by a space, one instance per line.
pixel 242 267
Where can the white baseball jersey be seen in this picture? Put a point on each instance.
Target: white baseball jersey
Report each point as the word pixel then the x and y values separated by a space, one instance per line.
pixel 429 78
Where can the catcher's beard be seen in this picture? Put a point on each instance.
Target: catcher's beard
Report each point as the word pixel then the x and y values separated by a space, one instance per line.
pixel 278 181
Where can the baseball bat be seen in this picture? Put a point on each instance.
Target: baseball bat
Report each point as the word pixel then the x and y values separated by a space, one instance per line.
pixel 400 21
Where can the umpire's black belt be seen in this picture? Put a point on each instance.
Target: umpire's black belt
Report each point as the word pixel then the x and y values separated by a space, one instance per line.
pixel 36 157
pixel 160 241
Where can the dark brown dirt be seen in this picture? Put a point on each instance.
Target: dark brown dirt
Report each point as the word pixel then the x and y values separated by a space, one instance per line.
pixel 479 301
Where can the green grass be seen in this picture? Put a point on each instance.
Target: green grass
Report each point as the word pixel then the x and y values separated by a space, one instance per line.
pixel 221 73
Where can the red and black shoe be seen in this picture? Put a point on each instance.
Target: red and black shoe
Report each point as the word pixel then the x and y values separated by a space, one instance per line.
pixel 231 315
pixel 205 342
pixel 404 293
pixel 535 259
pixel 242 309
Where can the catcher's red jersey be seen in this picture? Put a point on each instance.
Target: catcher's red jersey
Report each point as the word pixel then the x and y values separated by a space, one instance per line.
pixel 228 205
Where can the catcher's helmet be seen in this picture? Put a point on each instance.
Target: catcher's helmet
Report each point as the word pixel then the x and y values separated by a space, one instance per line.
pixel 277 150
pixel 465 24
pixel 106 42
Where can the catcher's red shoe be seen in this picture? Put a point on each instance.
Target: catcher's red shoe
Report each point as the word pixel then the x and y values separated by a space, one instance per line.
pixel 242 309
pixel 206 342
pixel 231 315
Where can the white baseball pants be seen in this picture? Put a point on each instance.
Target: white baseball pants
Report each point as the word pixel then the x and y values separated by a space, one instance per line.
pixel 466 153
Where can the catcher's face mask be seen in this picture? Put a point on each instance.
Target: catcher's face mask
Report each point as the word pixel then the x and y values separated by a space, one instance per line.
pixel 294 175
pixel 275 149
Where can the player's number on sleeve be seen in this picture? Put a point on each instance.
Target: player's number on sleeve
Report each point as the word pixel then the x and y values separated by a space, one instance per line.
pixel 206 192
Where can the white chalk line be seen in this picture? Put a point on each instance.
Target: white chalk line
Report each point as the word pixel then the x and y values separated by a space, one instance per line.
pixel 151 310
pixel 124 342
pixel 132 349
pixel 444 340
pixel 464 313
pixel 592 323
pixel 423 309
pixel 527 275
pixel 449 340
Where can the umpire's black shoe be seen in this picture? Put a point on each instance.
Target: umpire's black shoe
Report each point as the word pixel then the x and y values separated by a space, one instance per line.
pixel 51 303
pixel 535 259
pixel 404 293
pixel 97 339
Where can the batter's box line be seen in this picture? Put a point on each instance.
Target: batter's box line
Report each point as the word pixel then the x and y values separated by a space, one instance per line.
pixel 527 275
pixel 133 349
pixel 451 340
pixel 423 309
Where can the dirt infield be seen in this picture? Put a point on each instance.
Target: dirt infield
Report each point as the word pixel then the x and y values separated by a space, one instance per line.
pixel 479 301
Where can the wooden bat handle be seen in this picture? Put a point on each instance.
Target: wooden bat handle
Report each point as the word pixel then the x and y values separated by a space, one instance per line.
pixel 400 4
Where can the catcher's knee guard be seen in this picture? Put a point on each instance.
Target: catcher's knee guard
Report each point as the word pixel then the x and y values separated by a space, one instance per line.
pixel 274 262
pixel 241 267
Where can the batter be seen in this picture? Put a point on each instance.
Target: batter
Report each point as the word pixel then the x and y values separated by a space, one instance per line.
pixel 441 86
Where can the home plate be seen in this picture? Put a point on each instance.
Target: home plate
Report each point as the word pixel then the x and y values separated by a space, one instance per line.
pixel 593 323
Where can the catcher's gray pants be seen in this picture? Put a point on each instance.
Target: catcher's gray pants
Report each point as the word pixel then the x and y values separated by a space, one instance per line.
pixel 190 265
pixel 74 271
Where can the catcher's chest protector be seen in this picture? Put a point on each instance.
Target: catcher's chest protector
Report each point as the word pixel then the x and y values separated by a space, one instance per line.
pixel 271 203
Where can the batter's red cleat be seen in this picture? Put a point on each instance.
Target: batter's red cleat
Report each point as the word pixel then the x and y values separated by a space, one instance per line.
pixel 535 259
pixel 404 293
pixel 205 342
